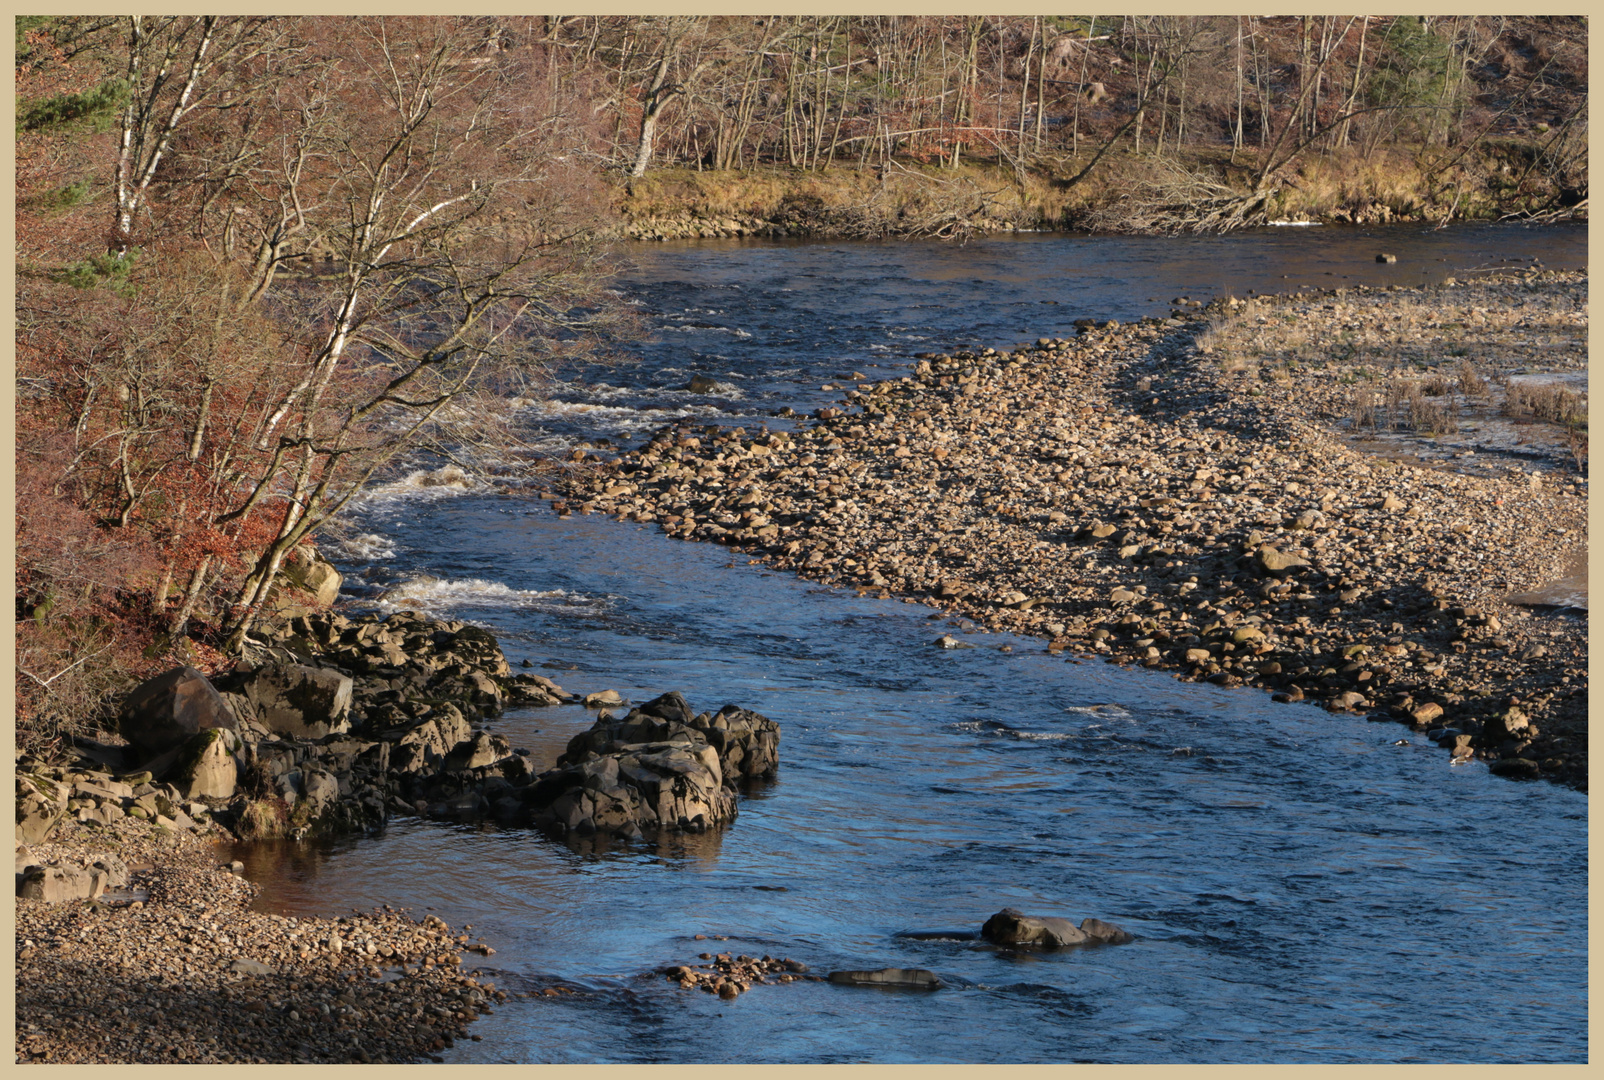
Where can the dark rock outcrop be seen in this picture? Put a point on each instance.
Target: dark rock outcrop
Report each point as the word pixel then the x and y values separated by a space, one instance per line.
pixel 343 722
pixel 299 700
pixel 747 743
pixel 659 767
pixel 637 788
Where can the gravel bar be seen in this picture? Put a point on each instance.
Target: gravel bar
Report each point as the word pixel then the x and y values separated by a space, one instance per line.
pixel 176 967
pixel 1139 492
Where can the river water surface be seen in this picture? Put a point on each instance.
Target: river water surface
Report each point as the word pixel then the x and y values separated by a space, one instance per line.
pixel 1302 886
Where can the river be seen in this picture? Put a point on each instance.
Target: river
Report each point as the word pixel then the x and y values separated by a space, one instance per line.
pixel 1302 886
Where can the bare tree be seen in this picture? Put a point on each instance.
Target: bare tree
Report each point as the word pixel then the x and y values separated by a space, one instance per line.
pixel 428 169
pixel 171 64
pixel 672 34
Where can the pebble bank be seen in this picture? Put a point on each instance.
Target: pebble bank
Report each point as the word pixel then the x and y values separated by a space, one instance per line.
pixel 1125 494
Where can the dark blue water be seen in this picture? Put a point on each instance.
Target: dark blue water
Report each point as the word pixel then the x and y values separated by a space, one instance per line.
pixel 774 321
pixel 1303 886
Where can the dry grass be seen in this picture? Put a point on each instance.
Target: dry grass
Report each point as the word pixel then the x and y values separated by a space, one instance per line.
pixel 264 819
pixel 1363 412
pixel 1547 402
pixel 1437 385
pixel 1471 384
pixel 848 199
pixel 1432 417
pixel 1576 443
pixel 1404 405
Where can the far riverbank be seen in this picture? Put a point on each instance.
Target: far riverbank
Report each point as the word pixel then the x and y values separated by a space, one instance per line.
pixel 1132 193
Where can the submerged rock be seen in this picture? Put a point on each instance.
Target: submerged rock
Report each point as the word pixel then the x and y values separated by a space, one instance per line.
pixel 1098 930
pixel 1012 927
pixel 910 978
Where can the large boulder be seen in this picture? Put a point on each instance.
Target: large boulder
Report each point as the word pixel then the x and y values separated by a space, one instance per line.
pixel 478 752
pixel 305 578
pixel 163 712
pixel 300 701
pixel 207 767
pixel 747 743
pixel 317 576
pixel 309 791
pixel 645 787
pixel 319 791
pixel 428 743
pixel 58 884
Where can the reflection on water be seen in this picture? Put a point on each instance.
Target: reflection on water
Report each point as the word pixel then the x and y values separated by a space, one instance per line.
pixel 1298 881
pixel 1568 591
pixel 1302 886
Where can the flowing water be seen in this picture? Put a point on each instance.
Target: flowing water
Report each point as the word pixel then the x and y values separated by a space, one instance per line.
pixel 1302 886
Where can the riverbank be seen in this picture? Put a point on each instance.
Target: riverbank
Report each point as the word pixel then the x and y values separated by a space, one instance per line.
pixel 1130 192
pixel 172 965
pixel 1136 494
pixel 135 939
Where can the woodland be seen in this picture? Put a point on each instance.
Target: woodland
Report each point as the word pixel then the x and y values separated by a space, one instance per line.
pixel 264 261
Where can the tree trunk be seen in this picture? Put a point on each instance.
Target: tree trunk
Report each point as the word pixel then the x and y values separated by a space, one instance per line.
pixel 1236 133
pixel 145 137
pixel 1353 89
pixel 197 579
pixel 655 99
pixel 1080 91
pixel 1041 91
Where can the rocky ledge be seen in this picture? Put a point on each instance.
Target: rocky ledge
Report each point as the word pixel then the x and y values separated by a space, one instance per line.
pixel 1124 494
pixel 333 724
pixel 135 941
pixel 170 964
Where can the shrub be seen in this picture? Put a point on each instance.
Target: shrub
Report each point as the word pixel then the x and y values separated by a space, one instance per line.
pixel 61 198
pixel 1555 404
pixel 264 819
pixel 1471 384
pixel 110 270
pixel 93 109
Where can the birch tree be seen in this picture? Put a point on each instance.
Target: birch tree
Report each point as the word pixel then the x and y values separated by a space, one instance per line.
pixel 457 237
pixel 171 67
